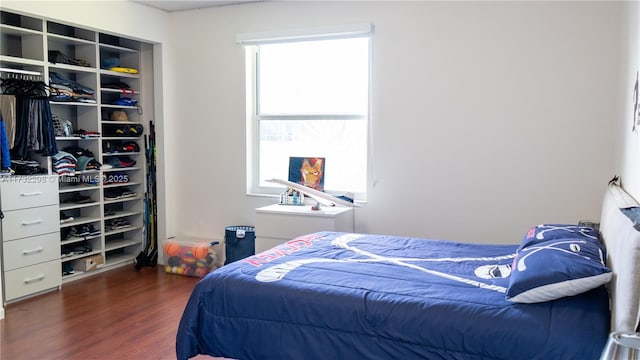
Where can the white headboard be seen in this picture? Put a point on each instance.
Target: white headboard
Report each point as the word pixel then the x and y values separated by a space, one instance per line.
pixel 622 241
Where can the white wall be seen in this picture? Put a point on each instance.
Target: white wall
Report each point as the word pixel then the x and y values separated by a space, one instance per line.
pixel 489 117
pixel 629 144
pixel 120 17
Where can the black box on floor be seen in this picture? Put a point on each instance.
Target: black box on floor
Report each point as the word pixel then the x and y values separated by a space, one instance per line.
pixel 239 242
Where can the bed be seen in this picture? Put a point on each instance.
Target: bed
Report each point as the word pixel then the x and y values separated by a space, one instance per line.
pixel 330 295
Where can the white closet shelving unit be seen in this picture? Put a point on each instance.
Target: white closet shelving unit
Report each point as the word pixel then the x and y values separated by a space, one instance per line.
pixel 25 43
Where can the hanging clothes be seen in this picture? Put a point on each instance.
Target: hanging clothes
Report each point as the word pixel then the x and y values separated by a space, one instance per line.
pixel 5 157
pixel 34 129
pixel 8 109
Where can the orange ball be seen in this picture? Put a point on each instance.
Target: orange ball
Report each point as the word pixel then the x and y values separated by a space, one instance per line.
pixel 200 252
pixel 171 249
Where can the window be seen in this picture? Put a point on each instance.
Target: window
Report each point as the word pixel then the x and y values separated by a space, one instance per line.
pixel 309 98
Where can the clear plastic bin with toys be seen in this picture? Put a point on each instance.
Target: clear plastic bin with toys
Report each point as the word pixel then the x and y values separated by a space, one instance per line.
pixel 191 257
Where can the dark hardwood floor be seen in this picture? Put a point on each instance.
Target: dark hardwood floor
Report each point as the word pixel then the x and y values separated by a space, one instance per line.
pixel 118 314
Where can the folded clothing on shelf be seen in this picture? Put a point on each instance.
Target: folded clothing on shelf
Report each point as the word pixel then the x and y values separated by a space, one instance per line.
pixel 126 101
pixel 57 79
pixel 56 56
pixel 64 89
pixel 86 134
pixel 26 167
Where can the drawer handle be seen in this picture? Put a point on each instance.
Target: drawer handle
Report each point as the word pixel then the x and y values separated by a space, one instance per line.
pixel 31 193
pixel 37 278
pixel 29 252
pixel 34 222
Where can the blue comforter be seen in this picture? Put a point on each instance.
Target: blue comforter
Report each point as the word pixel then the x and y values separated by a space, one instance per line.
pixel 351 296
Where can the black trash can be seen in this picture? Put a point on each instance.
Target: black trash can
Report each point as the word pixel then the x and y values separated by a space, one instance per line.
pixel 239 242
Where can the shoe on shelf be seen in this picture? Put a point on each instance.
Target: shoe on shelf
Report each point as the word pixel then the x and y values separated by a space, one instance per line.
pixel 67 269
pixel 65 217
pixel 79 231
pixel 82 248
pixel 111 194
pixel 127 193
pixel 78 199
pixel 121 223
pixel 66 251
pixel 78 249
pixel 93 230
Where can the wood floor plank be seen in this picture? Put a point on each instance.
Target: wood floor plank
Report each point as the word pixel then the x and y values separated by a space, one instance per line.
pixel 118 314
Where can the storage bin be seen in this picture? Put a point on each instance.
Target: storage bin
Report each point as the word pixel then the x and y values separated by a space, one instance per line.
pixel 239 242
pixel 190 257
pixel 87 263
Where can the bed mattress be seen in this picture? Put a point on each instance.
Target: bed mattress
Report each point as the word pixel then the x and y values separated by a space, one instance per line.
pixel 333 295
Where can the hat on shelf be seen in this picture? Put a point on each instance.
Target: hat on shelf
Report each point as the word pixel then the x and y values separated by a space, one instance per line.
pixel 119 115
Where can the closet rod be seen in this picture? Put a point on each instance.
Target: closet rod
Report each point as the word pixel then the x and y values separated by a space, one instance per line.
pixel 17 71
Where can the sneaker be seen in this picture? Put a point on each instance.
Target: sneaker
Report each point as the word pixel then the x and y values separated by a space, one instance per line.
pixel 117 177
pixel 78 249
pixel 82 248
pixel 109 225
pixel 67 269
pixel 127 193
pixel 66 251
pixel 65 217
pixel 79 231
pixel 93 230
pixel 121 223
pixel 78 199
pixel 112 194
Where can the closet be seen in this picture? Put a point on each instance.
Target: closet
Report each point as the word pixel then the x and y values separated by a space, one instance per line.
pixel 99 91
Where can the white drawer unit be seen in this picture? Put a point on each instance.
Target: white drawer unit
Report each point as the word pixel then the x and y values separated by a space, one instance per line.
pixel 31 251
pixel 21 192
pixel 276 223
pixel 30 235
pixel 32 279
pixel 23 223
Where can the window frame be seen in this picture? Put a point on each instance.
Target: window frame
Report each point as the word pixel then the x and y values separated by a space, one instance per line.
pixel 253 117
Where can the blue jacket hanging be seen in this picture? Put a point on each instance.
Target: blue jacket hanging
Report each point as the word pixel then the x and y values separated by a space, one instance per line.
pixel 4 144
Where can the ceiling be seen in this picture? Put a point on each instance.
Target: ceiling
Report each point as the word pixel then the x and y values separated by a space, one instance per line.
pixel 188 5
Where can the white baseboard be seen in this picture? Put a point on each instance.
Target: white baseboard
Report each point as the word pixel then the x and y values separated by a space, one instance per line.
pixel 1 313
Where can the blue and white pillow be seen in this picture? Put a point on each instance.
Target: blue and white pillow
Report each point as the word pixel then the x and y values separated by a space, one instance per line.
pixel 545 232
pixel 552 269
pixel 633 213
